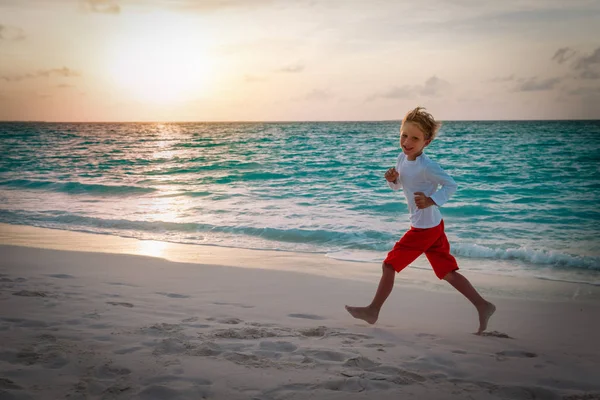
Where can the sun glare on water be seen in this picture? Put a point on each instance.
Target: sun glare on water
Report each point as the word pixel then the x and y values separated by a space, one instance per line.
pixel 161 61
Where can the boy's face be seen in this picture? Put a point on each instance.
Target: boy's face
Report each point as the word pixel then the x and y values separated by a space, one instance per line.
pixel 412 140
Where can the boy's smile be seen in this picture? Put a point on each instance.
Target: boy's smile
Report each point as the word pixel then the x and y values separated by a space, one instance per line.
pixel 412 140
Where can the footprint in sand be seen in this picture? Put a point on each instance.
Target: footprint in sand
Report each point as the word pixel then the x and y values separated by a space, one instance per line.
pixel 161 329
pixel 230 321
pixel 246 333
pixel 325 355
pixel 8 384
pixel 115 303
pixel 5 278
pixel 249 360
pixel 385 373
pixel 221 303
pixel 307 316
pixel 61 276
pixel 121 284
pixel 319 331
pixel 502 355
pixel 426 335
pixel 162 392
pixel 379 346
pixel 353 384
pixel 174 295
pixel 407 377
pixel 495 334
pixel 374 370
pixel 109 371
pixel 47 355
pixel 30 293
pixel 207 349
pixel 128 350
pixel 157 380
pixel 175 387
pixel 360 363
pixel 198 326
pixel 348 336
pixel 171 346
pixel 13 320
pixel 323 331
pixel 278 346
pixel 190 322
pixel 91 315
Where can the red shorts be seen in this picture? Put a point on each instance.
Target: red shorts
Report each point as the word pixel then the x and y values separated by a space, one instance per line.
pixel 432 242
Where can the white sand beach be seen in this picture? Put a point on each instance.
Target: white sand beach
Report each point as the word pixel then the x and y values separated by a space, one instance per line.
pixel 87 316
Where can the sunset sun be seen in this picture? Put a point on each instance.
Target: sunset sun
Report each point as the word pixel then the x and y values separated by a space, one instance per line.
pixel 160 66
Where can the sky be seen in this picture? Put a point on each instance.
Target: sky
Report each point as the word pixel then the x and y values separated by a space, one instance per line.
pixel 298 60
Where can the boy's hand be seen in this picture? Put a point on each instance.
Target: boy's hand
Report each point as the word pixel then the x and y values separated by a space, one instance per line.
pixel 423 201
pixel 391 175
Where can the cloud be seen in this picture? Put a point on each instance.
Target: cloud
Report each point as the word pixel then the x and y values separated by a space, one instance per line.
pixel 563 54
pixel 432 86
pixel 64 71
pixel 101 6
pixel 584 67
pixel 11 33
pixel 292 69
pixel 535 85
pixel 46 73
pixel 18 78
pixel 589 61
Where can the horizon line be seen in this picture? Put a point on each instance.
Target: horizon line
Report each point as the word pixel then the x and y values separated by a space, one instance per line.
pixel 289 121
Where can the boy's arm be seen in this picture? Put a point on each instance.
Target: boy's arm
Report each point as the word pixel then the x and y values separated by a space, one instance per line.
pixel 396 185
pixel 436 174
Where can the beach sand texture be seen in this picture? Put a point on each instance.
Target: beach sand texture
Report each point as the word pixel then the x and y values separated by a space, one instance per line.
pixel 92 325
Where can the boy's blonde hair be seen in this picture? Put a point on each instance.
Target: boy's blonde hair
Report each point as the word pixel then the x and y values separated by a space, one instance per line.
pixel 424 121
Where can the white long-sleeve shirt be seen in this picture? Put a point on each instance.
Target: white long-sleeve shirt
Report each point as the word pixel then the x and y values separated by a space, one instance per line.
pixel 423 175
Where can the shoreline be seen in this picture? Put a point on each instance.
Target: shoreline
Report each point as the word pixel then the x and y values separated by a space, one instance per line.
pixel 419 274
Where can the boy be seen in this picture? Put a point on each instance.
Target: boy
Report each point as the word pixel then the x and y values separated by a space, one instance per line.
pixel 419 178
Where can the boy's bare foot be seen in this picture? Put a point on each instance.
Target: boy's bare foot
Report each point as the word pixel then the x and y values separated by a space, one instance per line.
pixel 485 312
pixel 367 314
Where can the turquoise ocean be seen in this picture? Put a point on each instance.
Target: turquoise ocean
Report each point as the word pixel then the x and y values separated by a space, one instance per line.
pixel 527 202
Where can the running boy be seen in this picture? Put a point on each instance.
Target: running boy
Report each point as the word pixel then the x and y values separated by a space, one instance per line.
pixel 419 178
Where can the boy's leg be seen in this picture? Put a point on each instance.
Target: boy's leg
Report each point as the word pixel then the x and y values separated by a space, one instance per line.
pixel 370 313
pixel 485 309
pixel 405 251
pixel 445 266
